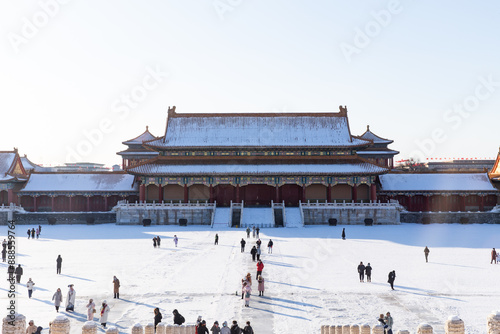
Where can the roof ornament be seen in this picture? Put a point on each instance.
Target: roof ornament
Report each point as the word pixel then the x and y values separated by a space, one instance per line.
pixel 367 128
pixel 147 128
pixel 171 109
pixel 343 109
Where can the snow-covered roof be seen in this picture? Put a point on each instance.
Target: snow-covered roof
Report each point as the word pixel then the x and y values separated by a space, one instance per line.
pixel 80 182
pixel 436 182
pixel 6 161
pixel 239 169
pixel 257 130
pixel 29 165
pixel 145 136
pixel 373 137
pixel 388 152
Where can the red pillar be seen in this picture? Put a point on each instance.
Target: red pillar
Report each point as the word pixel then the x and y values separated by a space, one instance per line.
pixel 88 203
pixel 211 193
pixel 160 193
pixel 329 194
pixel 426 203
pixel 11 197
pixel 237 193
pixel 462 203
pixel 373 192
pixel 481 203
pixel 355 193
pixel 142 193
pixel 71 203
pixel 52 203
pixel 34 204
pixel 105 203
pixel 277 194
pixel 303 193
pixel 186 193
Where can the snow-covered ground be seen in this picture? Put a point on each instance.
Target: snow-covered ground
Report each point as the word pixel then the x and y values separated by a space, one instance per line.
pixel 311 277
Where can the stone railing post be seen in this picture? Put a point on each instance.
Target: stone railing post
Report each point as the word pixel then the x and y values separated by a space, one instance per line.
pixel 19 324
pixel 60 325
pixel 176 330
pixel 149 329
pixel 403 331
pixel 378 329
pixel 112 330
pixel 424 329
pixel 325 329
pixel 494 323
pixel 90 327
pixel 454 325
pixel 354 329
pixel 160 328
pixel 346 329
pixel 365 329
pixel 338 329
pixel 169 329
pixel 136 329
pixel 182 329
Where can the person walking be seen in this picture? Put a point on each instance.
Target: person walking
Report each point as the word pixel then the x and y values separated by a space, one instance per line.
pixel 248 329
pixel 154 242
pixel 116 288
pixel 19 273
pixel 368 271
pixel 176 240
pixel 253 231
pixel 361 272
pixel 57 298
pixel 202 328
pixel 260 280
pixel 158 240
pixel 257 230
pixel 90 310
pixel 247 289
pixel 58 264
pixel 258 242
pixel 270 246
pixel 259 252
pixel 31 286
pixel 32 233
pixel 426 252
pixel 260 267
pixel 493 256
pixel 178 318
pixel 104 313
pixel 37 233
pixel 248 232
pixel 216 239
pixel 158 317
pixel 215 328
pixel 343 234
pixel 29 233
pixel 70 299
pixel 242 243
pixel 392 277
pixel 388 321
pixel 4 254
pixel 253 251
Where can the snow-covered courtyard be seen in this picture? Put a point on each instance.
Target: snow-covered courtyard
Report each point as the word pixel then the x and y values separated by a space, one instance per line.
pixel 311 277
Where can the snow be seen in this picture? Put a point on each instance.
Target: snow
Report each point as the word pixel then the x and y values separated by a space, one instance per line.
pixel 106 181
pixel 256 131
pixel 6 160
pixel 222 217
pixel 257 217
pixel 293 217
pixel 311 276
pixel 240 169
pixel 436 182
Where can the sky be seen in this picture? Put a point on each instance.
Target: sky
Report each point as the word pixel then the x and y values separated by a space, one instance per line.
pixel 80 77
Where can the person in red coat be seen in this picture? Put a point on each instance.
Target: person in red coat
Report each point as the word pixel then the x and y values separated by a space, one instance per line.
pixel 493 256
pixel 260 266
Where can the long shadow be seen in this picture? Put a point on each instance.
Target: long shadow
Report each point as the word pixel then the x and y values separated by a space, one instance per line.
pixel 284 306
pixel 281 264
pixel 137 303
pixel 455 265
pixel 43 301
pixel 297 286
pixel 75 315
pixel 291 302
pixel 279 313
pixel 425 293
pixel 80 278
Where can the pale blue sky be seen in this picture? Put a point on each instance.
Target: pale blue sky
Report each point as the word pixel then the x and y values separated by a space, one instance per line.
pixel 411 63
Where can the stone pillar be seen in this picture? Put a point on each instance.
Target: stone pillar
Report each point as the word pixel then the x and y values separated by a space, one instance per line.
pixel 186 193
pixel 149 329
pixel 112 330
pixel 424 329
pixel 323 327
pixel 183 329
pixel 169 329
pixel 378 329
pixel 365 329
pixel 454 325
pixel 136 329
pixel 60 325
pixel 494 323
pixel 19 324
pixel 160 328
pixel 354 329
pixel 160 193
pixel 403 331
pixel 142 193
pixel 177 330
pixel 338 329
pixel 90 327
pixel 346 329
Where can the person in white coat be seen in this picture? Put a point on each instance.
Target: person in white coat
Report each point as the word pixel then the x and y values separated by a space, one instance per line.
pixel 57 298
pixel 90 310
pixel 104 313
pixel 70 299
pixel 31 286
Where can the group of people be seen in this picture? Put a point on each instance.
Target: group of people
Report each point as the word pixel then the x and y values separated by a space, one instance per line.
pixel 32 232
pixel 387 322
pixel 362 270
pixel 246 285
pixel 225 329
pixel 5 244
pixel 157 241
pixel 255 231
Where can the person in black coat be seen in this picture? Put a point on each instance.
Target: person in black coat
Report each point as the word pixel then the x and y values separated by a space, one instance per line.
pixel 154 242
pixel 216 239
pixel 368 271
pixel 32 233
pixel 158 316
pixel 178 318
pixel 19 273
pixel 59 264
pixel 343 234
pixel 158 240
pixel 392 277
pixel 253 251
pixel 243 242
pixel 361 271
pixel 248 329
pixel 235 329
pixel 202 328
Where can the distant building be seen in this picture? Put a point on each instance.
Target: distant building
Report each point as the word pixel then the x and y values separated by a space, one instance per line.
pixel 136 151
pixel 378 153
